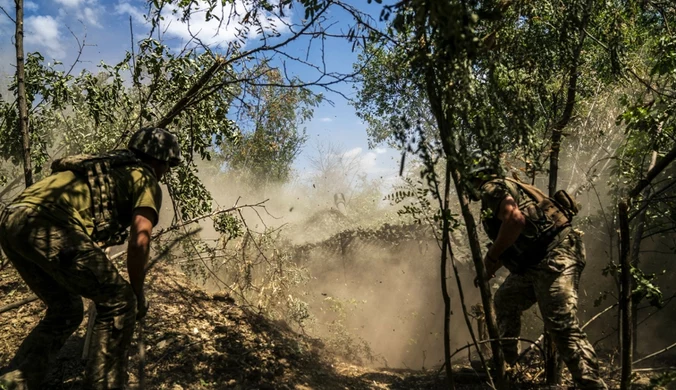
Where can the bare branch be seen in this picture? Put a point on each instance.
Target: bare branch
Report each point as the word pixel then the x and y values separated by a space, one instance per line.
pixel 194 220
pixel 7 14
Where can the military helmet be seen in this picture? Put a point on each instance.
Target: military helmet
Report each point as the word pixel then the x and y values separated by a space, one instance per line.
pixel 157 143
pixel 482 165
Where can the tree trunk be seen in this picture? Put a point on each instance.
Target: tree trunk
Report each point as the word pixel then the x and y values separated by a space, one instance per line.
pixel 486 296
pixel 639 228
pixel 625 297
pixel 554 364
pixel 21 96
pixel 461 294
pixel 444 285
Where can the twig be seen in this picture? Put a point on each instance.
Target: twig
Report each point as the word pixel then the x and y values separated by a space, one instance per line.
pixel 501 339
pixel 91 317
pixel 18 304
pixel 193 220
pixel 651 369
pixel 141 356
pixel 7 14
pixel 607 309
pixel 655 353
pixel 539 339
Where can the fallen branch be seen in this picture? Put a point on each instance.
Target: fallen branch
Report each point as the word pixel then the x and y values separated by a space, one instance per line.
pixel 18 304
pixel 654 369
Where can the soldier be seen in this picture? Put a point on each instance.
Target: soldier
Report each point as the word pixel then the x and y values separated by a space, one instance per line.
pixel 53 234
pixel 532 237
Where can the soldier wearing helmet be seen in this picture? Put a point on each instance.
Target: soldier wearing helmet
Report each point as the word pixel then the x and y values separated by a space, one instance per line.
pixel 532 237
pixel 53 234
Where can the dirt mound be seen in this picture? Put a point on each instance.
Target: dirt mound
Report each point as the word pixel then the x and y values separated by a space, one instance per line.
pixel 194 340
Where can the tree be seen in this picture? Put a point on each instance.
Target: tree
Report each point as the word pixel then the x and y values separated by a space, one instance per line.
pixel 500 76
pixel 271 137
pixel 22 122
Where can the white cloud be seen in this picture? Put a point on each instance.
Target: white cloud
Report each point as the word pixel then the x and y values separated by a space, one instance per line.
pixel 125 8
pixel 368 162
pixel 30 6
pixel 326 119
pixel 213 32
pixel 352 153
pixel 43 31
pixel 372 162
pixel 70 3
pixel 87 11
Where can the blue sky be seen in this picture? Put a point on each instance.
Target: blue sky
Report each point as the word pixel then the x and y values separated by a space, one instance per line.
pixel 103 25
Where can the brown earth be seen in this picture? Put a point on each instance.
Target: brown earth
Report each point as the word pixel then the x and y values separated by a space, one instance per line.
pixel 194 340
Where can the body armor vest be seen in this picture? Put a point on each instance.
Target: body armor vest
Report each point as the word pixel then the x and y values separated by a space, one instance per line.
pixel 545 218
pixel 96 170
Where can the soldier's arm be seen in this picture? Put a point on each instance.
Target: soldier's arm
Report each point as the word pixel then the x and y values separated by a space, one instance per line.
pixel 513 223
pixel 139 247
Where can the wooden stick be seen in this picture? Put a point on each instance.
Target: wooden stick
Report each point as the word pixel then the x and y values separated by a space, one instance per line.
pixel 655 369
pixel 18 304
pixel 141 356
pixel 625 298
pixel 91 318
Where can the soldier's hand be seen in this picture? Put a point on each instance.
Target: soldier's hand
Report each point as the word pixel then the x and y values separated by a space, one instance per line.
pixel 142 307
pixel 492 266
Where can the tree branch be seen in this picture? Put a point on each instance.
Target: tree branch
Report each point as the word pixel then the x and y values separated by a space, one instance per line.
pixel 657 169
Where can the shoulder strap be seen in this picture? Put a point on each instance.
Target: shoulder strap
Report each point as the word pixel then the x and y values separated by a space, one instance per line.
pixel 81 163
pixel 532 191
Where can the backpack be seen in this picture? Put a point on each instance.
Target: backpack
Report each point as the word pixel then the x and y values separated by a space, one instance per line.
pixel 560 209
pixel 96 170
pixel 548 217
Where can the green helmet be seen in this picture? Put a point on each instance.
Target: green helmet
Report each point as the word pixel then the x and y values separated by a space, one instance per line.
pixel 482 165
pixel 157 143
pixel 481 168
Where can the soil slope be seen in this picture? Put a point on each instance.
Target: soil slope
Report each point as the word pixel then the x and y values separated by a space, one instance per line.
pixel 194 340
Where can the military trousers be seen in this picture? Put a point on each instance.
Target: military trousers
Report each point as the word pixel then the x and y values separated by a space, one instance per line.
pixel 553 283
pixel 62 264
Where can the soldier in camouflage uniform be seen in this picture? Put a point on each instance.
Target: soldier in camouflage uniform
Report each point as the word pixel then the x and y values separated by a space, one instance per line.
pixel 53 234
pixel 532 237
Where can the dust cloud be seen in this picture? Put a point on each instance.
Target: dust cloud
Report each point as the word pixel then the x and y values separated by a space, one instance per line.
pixel 381 298
pixel 376 301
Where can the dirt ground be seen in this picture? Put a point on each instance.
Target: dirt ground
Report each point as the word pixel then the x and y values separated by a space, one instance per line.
pixel 194 340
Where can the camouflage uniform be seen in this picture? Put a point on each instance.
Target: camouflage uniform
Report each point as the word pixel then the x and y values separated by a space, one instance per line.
pixel 548 275
pixel 47 235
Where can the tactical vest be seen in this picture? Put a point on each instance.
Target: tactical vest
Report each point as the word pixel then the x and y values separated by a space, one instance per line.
pixel 96 170
pixel 545 218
